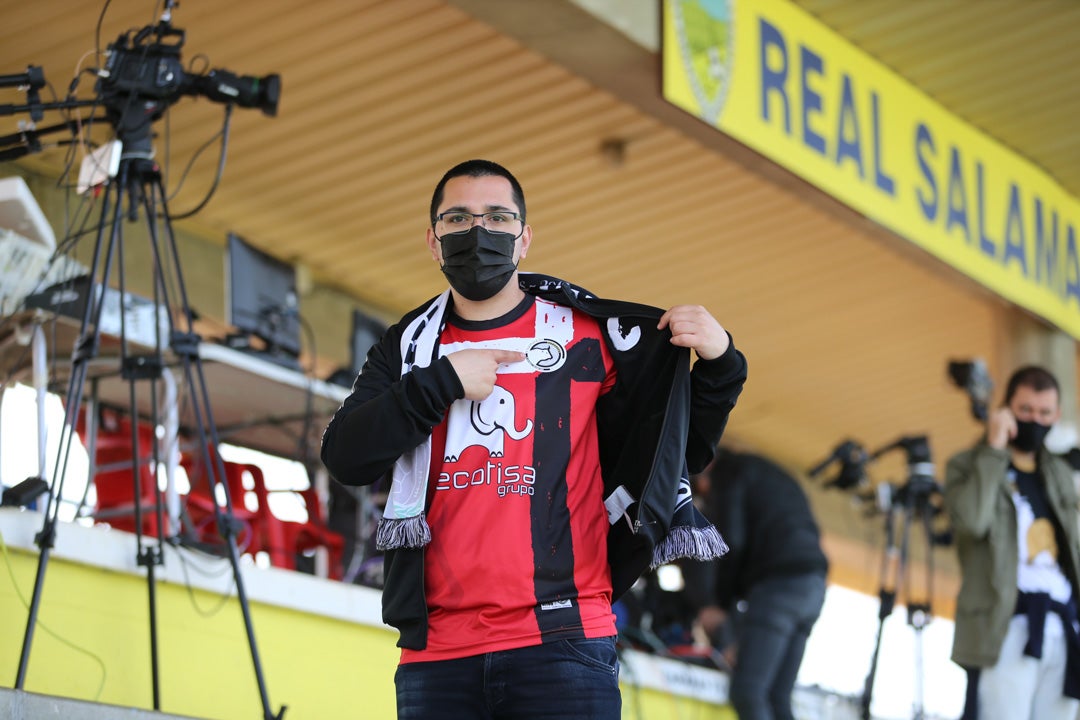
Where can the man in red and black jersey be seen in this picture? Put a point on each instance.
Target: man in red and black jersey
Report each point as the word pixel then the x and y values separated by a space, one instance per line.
pixel 538 441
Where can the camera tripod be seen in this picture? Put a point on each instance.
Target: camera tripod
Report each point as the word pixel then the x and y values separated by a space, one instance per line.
pixel 139 178
pixel 909 503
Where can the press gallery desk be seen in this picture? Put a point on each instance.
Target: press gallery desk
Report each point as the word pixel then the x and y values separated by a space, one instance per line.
pixel 255 403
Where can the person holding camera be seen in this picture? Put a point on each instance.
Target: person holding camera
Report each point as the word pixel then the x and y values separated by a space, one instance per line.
pixel 1013 508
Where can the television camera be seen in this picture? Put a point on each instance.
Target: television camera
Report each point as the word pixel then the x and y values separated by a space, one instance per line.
pixel 141 78
pixel 917 500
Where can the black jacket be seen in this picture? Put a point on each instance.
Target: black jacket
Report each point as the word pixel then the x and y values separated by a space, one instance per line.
pixel 764 515
pixel 658 420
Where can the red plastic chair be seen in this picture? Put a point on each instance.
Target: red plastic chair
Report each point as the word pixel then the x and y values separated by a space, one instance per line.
pixel 112 462
pixel 202 501
pixel 312 535
pixel 282 540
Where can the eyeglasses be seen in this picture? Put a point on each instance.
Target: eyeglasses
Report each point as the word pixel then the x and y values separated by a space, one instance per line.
pixel 456 221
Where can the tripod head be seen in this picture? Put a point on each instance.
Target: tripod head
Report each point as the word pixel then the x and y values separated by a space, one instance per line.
pixel 920 487
pixel 852 458
pixel 919 491
pixel 917 451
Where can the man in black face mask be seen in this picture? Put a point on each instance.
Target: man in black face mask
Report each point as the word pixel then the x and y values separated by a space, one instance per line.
pixel 538 441
pixel 1013 506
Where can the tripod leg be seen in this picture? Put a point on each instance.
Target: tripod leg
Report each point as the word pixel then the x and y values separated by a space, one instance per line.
pixel 185 345
pixel 919 613
pixel 140 178
pixel 887 598
pixel 85 349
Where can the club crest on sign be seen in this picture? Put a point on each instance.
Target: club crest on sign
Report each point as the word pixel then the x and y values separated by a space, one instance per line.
pixel 703 29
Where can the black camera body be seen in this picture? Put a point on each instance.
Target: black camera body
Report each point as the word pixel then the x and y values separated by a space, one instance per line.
pixel 972 377
pixel 143 76
pixel 143 69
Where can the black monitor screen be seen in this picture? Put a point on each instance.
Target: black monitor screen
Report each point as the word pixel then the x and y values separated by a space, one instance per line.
pixel 366 331
pixel 262 299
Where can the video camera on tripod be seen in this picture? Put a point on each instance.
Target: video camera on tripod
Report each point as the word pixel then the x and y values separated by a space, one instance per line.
pixel 143 76
pixel 852 458
pixel 919 486
pixel 918 500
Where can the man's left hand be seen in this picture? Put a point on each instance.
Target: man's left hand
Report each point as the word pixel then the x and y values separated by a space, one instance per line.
pixel 694 327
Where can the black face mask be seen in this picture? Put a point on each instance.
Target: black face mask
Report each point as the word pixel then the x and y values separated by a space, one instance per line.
pixel 478 263
pixel 1030 436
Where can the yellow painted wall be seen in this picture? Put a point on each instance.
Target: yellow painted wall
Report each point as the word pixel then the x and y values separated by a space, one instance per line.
pixel 320 668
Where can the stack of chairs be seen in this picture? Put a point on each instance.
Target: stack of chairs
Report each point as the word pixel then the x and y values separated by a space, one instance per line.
pixel 285 542
pixel 204 501
pixel 294 540
pixel 117 450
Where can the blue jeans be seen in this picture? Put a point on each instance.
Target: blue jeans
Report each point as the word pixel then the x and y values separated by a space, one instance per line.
pixel 560 680
pixel 771 642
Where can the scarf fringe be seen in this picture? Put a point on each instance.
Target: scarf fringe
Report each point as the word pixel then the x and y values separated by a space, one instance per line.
pixel 397 533
pixel 686 542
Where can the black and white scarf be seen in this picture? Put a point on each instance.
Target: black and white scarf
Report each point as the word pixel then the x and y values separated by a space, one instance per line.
pixel 404 525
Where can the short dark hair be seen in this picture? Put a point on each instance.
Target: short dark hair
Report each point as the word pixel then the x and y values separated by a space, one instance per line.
pixel 1034 377
pixel 477 168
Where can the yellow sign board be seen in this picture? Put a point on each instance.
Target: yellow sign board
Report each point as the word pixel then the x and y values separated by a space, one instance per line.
pixel 776 79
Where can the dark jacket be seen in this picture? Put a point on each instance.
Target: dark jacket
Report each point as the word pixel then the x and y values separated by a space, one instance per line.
pixel 766 519
pixel 983 515
pixel 658 420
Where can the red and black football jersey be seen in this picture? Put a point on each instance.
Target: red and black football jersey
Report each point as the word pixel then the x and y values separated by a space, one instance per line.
pixel 518 525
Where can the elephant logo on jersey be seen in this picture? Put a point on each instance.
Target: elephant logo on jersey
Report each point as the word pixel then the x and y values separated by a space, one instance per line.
pixel 546 355
pixel 484 423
